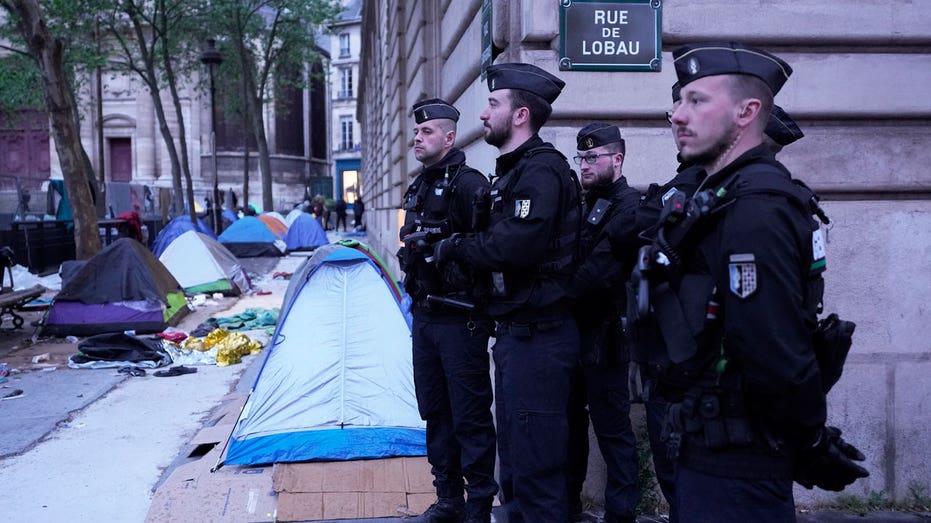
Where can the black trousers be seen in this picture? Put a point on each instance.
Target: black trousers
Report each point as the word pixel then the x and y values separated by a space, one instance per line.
pixel 704 498
pixel 604 389
pixel 454 396
pixel 533 364
pixel 656 406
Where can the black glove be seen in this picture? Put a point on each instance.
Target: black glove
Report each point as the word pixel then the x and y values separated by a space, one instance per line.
pixel 444 251
pixel 829 463
pixel 456 276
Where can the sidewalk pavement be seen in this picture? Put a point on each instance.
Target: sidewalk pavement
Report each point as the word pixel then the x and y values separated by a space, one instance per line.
pixel 90 444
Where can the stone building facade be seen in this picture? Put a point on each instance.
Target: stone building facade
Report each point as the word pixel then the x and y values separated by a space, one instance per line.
pixel 345 132
pixel 859 92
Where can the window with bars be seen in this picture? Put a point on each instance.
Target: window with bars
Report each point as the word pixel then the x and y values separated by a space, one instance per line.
pixel 345 131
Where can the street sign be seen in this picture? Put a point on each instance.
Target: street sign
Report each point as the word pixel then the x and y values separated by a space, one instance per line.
pixel 618 35
pixel 486 36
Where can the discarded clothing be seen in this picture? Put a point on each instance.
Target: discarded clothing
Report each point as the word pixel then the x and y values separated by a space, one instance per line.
pixel 252 318
pixel 204 328
pixel 117 349
pixel 177 370
pixel 176 336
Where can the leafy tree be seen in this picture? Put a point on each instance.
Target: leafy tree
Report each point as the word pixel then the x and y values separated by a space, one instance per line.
pixel 47 51
pixel 156 40
pixel 262 38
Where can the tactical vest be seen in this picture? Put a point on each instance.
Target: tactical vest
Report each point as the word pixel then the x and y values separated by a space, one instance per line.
pixel 428 204
pixel 512 289
pixel 680 340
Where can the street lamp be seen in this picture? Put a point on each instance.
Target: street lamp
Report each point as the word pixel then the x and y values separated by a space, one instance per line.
pixel 212 58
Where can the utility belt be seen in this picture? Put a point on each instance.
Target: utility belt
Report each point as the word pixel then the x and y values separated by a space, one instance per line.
pixel 716 417
pixel 523 329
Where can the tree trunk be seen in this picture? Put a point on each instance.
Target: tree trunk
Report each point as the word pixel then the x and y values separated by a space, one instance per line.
pixel 265 164
pixel 182 137
pixel 47 51
pixel 245 167
pixel 253 106
pixel 150 77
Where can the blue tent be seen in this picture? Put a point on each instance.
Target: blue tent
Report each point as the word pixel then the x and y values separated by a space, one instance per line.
pixel 229 215
pixel 175 228
pixel 345 391
pixel 249 237
pixel 305 234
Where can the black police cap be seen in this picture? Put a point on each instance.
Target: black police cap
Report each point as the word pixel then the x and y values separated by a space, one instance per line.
pixel 781 128
pixel 676 92
pixel 433 109
pixel 524 77
pixel 700 60
pixel 597 134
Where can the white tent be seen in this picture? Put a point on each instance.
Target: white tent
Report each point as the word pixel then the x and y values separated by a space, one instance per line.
pixel 289 219
pixel 203 265
pixel 277 215
pixel 337 381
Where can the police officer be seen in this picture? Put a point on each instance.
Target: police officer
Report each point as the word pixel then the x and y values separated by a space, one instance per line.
pixel 735 286
pixel 450 340
pixel 598 290
pixel 528 252
pixel 658 380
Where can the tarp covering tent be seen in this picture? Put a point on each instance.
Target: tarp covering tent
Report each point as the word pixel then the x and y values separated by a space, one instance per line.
pixel 124 287
pixel 249 237
pixel 203 265
pixel 337 381
pixel 279 227
pixel 305 234
pixel 176 227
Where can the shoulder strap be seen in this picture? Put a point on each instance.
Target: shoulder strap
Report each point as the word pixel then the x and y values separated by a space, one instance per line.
pixel 463 169
pixel 545 148
pixel 794 190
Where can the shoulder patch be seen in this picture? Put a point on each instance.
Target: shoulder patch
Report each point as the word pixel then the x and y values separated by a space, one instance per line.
pixel 743 275
pixel 818 251
pixel 521 208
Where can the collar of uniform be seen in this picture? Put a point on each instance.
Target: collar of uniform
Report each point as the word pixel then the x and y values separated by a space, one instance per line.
pixel 607 191
pixel 507 161
pixel 454 157
pixel 761 152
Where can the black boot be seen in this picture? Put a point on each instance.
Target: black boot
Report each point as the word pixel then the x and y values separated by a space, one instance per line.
pixel 445 510
pixel 477 511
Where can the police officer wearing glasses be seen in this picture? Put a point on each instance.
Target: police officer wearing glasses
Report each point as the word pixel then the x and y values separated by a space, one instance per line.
pixel 528 254
pixel 734 283
pixel 598 291
pixel 449 337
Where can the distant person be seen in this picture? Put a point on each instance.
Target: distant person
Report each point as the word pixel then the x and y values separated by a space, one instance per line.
pixel 357 210
pixel 340 208
pixel 318 209
pixel 131 226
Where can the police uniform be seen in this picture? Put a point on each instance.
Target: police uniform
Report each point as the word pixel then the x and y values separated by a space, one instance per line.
pixel 598 290
pixel 736 309
pixel 450 345
pixel 528 254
